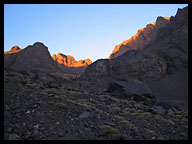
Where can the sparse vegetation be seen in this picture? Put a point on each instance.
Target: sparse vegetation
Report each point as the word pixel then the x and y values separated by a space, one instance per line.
pixel 120 118
pixel 110 129
pixel 152 132
pixel 128 123
pixel 129 118
pixel 61 105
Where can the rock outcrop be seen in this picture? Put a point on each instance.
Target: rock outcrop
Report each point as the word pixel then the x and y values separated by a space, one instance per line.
pixel 70 61
pixel 14 49
pixel 131 89
pixel 69 64
pixel 33 57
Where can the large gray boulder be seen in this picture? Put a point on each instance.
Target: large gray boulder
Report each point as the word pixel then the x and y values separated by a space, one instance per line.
pixel 131 89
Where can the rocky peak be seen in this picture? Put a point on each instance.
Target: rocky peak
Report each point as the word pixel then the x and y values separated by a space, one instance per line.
pixel 33 57
pixel 88 61
pixel 69 61
pixel 182 13
pixel 14 49
pixel 61 56
pixel 143 37
pixel 38 46
pixel 161 21
pixel 54 57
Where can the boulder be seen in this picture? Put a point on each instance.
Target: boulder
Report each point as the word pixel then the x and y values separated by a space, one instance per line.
pixel 131 89
pixel 84 115
pixel 157 110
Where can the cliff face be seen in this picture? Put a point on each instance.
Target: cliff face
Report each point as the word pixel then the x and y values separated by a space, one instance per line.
pixel 70 61
pixel 143 37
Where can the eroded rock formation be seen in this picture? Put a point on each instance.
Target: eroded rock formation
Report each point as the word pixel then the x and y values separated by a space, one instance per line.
pixel 70 61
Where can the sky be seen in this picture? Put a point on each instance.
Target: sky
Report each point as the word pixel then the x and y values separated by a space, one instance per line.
pixel 80 30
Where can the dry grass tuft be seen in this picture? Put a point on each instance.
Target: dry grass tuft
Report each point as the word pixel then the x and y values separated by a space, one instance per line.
pixel 119 117
pixel 152 132
pixel 111 129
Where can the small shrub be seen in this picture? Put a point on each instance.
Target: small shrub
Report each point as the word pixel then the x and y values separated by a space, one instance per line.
pixel 111 129
pixel 144 115
pixel 152 132
pixel 61 105
pixel 158 117
pixel 50 103
pixel 119 117
pixel 128 123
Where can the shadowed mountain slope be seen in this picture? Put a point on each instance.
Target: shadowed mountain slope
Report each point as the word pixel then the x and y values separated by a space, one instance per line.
pixel 162 57
pixel 33 57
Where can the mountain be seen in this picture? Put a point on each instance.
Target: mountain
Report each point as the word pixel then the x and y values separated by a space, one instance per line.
pixel 37 57
pixel 158 55
pixel 33 57
pixel 70 61
pixel 143 37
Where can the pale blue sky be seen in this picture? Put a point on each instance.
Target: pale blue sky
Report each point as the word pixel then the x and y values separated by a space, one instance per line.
pixel 81 30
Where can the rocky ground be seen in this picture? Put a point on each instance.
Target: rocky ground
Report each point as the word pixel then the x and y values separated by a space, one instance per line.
pixel 35 109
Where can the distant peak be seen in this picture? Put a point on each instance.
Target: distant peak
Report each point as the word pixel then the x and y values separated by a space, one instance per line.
pixel 70 61
pixel 60 55
pixel 161 21
pixel 15 48
pixel 38 43
pixel 167 18
pixel 135 41
pixel 182 13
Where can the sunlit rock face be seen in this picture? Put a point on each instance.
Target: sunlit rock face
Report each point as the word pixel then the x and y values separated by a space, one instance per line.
pixel 143 37
pixel 70 61
pixel 33 57
pixel 14 49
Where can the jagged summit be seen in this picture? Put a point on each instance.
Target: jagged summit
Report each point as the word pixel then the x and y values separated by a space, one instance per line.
pixel 143 37
pixel 69 61
pixel 148 34
pixel 15 48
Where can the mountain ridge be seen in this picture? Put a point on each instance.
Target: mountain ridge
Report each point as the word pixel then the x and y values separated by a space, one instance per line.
pixel 70 61
pixel 37 57
pixel 143 37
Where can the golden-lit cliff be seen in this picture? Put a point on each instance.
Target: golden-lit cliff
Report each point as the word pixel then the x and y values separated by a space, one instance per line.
pixel 143 37
pixel 70 61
